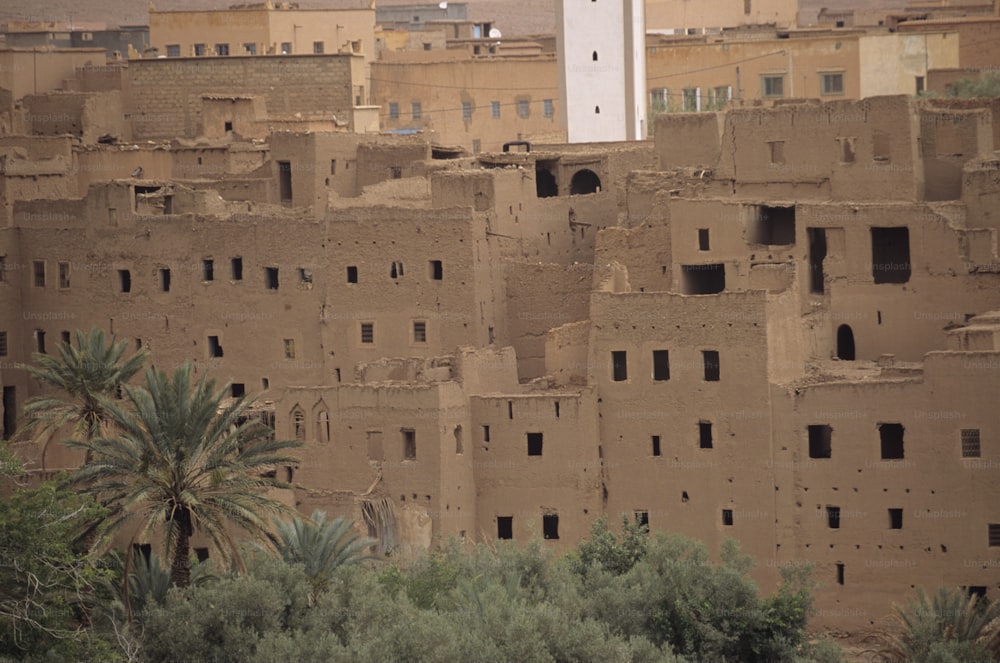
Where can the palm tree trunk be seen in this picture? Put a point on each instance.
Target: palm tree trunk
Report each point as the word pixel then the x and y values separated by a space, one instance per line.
pixel 180 571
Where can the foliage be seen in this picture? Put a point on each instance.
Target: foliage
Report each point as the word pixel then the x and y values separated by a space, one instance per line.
pixel 182 458
pixel 987 85
pixel 604 550
pixel 948 626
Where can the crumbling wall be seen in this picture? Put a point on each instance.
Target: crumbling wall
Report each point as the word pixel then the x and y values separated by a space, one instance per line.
pixel 948 139
pixel 688 139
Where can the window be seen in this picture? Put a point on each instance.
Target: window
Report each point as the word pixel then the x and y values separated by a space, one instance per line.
pixel 523 109
pixel 396 270
pixel 393 110
pixel 846 149
pixel 124 280
pixel 416 111
pixel 659 99
pixel 458 439
pixel 833 517
pixel 820 441
pixel 164 279
pixel 840 573
pixel 890 255
pixel 236 268
pixel 619 365
pixel 477 146
pixel 505 527
pixel 409 444
pixel 38 268
pixel 289 348
pixel 832 83
pixel 3 268
pixel 285 181
pixel 333 166
pixel 286 47
pixel 710 359
pixel 323 426
pixel 199 50
pixel 920 84
pixel 299 424
pixel 368 333
pixel 776 149
pixel 690 99
pixel 374 445
pixel 173 50
pixel 994 535
pixel 317 47
pixel 773 86
pixel 65 338
pixel 727 517
pixel 40 341
pixel 436 270
pixel 548 108
pixel 703 279
pixel 704 435
pixel 534 444
pixel 305 276
pixel 250 49
pixel 970 443
pixel 63 275
pixel 222 49
pixel 3 344
pixel 656 445
pixel 352 274
pixel 550 526
pixel 895 519
pixel 486 433
pixel 419 331
pixel 495 110
pixel 466 110
pixel 214 348
pixel 703 239
pixel 207 270
pixel 661 365
pixel 271 278
pixel 772 225
pixel 237 390
pixel 891 437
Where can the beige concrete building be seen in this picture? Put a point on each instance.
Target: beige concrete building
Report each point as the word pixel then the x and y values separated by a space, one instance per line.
pixel 774 324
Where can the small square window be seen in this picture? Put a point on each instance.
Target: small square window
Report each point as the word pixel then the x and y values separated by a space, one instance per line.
pixel 207 270
pixel 970 443
pixel 416 111
pixel 895 519
pixel 250 49
pixel 891 438
pixel 534 444
pixel 436 270
pixel 548 108
pixel 352 274
pixel 523 109
pixel 727 517
pixel 704 435
pixel 173 50
pixel 286 48
pixel 317 47
pixel 661 365
pixel 994 535
pixel 505 527
pixel 466 110
pixel 38 268
pixel 271 278
pixel 289 348
pixel 305 276
pixel 419 331
pixel 3 268
pixel 833 517
pixel 773 86
pixel 199 50
pixel 237 390
pixel 393 110
pixel 495 110
pixel 832 84
pixel 550 526
pixel 63 275
pixel 222 49
pixel 214 347
pixel 368 333
pixel 820 441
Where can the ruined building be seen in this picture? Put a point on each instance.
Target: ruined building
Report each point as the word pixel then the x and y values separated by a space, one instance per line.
pixel 779 325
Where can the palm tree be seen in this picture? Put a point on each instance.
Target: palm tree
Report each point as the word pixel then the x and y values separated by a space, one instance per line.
pixel 86 377
pixel 322 546
pixel 181 460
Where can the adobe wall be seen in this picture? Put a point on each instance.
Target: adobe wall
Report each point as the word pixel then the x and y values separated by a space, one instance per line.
pixel 979 39
pixel 26 71
pixel 981 191
pixel 166 93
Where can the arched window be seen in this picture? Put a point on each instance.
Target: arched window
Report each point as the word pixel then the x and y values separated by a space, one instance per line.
pixel 845 343
pixel 584 181
pixel 299 424
pixel 323 426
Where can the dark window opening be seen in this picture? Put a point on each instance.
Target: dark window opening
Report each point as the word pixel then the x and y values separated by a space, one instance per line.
pixel 214 348
pixel 920 84
pixel 891 255
pixel 271 278
pixel 846 149
pixel 820 441
pixel 619 365
pixel 437 270
pixel 845 343
pixel 833 517
pixel 3 344
pixel 656 445
pixel 510 409
pixel 594 56
pixel 545 182
pixel 773 226
pixel 285 181
pixel 352 274
pixel 727 517
pixel 207 270
pixel 550 526
pixel 840 573
pixel 817 253
pixel 703 279
pixel 9 412
pixel 891 437
pixel 584 181
pixel 534 444
pixel 486 433
pixel 201 554
pixel 895 519
pixel 165 280
pixel 458 439
pixel 367 333
pixel 419 331
pixel 557 409
pixel 970 443
pixel 124 280
pixel 39 270
pixel 710 360
pixel 305 276
pixel 409 444
pixel 976 590
pixel 994 535
pixel 228 126
pixel 661 365
pixel 505 527
pixel 684 496
pixel 642 519
pixel 704 435
pixel 236 266
pixel 237 390
pixel 703 242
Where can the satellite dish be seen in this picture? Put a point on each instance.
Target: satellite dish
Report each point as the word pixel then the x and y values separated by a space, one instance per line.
pixel 495 34
pixel 443 4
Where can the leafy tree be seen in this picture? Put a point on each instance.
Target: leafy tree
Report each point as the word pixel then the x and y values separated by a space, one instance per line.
pixel 949 626
pixel 604 550
pixel 320 545
pixel 987 85
pixel 84 377
pixel 182 459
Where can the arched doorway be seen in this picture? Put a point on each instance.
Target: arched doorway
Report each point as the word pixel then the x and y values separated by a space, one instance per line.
pixel 545 183
pixel 584 181
pixel 845 343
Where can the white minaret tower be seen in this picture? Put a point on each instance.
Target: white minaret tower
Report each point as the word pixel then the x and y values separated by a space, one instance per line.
pixel 602 69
